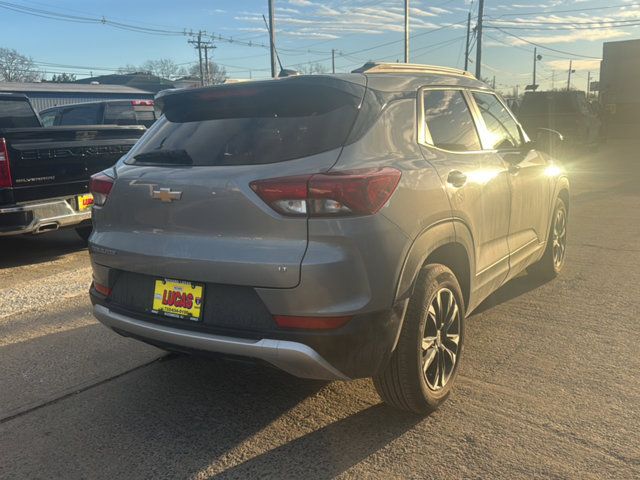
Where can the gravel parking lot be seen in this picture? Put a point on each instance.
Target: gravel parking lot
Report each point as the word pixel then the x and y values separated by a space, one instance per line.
pixel 550 384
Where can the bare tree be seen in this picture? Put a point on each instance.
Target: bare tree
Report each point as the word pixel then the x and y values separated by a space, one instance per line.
pixel 64 78
pixel 128 69
pixel 15 67
pixel 314 68
pixel 217 74
pixel 163 67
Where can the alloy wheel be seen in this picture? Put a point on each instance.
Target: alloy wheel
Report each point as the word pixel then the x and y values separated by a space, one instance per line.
pixel 441 339
pixel 559 238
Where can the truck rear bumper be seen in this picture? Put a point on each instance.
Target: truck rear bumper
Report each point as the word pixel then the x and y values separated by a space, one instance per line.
pixel 40 217
pixel 293 357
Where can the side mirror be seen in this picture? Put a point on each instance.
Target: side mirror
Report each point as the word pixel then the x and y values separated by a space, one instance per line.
pixel 548 141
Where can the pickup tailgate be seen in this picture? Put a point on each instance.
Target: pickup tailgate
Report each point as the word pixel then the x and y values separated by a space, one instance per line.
pixel 58 161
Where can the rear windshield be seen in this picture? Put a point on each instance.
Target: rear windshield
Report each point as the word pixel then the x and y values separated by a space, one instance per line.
pixel 127 114
pixel 254 124
pixel 17 114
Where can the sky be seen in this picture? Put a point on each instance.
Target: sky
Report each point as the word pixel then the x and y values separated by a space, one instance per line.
pixel 91 36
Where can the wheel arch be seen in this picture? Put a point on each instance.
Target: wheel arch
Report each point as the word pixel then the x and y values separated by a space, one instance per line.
pixel 440 243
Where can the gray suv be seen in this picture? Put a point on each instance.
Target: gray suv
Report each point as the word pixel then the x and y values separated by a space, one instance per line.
pixel 335 226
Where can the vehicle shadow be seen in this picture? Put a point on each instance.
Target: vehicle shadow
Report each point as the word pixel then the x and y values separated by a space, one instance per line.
pixel 331 450
pixel 514 288
pixel 23 250
pixel 184 417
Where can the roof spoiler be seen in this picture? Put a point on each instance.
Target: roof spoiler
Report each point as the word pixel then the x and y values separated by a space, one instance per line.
pixel 378 67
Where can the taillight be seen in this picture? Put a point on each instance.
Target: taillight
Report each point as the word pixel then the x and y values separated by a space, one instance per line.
pixel 5 171
pixel 142 103
pixel 102 289
pixel 356 192
pixel 310 323
pixel 100 186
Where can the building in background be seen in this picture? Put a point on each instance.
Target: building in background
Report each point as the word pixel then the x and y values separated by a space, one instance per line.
pixel 140 80
pixel 619 74
pixel 44 95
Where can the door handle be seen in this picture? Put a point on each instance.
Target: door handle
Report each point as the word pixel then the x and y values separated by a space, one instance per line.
pixel 514 169
pixel 456 178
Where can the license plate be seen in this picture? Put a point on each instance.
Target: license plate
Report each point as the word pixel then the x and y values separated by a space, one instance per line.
pixel 178 299
pixel 84 202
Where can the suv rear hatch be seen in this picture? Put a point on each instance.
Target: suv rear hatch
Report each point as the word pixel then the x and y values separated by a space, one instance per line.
pixel 182 206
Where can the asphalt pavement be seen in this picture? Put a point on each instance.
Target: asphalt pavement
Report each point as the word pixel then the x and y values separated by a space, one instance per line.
pixel 549 387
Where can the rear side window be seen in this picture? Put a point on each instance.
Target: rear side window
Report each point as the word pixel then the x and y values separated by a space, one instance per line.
pixel 502 129
pixel 81 115
pixel 449 122
pixel 17 114
pixel 252 124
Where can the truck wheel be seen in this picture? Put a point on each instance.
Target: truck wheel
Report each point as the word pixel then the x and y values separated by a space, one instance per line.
pixel 84 232
pixel 549 266
pixel 423 368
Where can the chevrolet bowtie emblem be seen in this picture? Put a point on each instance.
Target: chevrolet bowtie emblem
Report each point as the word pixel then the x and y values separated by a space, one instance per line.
pixel 166 195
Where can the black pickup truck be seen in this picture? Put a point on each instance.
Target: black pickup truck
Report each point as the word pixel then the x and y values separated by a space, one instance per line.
pixel 44 172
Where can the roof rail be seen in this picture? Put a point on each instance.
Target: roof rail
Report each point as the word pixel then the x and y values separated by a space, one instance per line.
pixel 377 67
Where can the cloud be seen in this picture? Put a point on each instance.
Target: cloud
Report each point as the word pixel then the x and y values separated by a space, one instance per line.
pixel 313 19
pixel 573 36
pixel 586 65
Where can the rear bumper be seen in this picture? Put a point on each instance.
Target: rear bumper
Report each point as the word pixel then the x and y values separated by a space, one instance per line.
pixel 40 217
pixel 293 357
pixel 359 349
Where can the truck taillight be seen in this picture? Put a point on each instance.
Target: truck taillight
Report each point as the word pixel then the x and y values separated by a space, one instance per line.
pixel 356 192
pixel 100 186
pixel 5 170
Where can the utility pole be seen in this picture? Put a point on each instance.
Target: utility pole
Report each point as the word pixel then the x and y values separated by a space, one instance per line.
pixel 272 39
pixel 466 50
pixel 406 31
pixel 553 79
pixel 207 67
pixel 198 44
pixel 535 62
pixel 569 77
pixel 333 60
pixel 588 84
pixel 493 84
pixel 479 40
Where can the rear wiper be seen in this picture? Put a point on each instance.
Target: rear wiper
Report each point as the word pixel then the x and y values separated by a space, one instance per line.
pixel 171 157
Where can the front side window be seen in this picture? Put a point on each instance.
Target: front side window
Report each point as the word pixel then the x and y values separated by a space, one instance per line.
pixel 502 129
pixel 449 122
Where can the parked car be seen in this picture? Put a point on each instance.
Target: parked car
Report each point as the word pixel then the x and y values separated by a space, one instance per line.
pixel 111 112
pixel 335 226
pixel 567 112
pixel 44 172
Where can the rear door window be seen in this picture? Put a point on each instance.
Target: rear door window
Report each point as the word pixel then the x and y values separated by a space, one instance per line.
pixel 81 115
pixel 502 130
pixel 252 124
pixel 449 124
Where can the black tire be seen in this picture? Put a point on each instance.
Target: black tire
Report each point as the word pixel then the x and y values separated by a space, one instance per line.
pixel 404 383
pixel 549 266
pixel 84 232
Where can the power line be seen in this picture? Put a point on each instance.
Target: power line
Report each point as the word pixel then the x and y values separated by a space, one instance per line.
pixel 545 47
pixel 48 14
pixel 573 10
